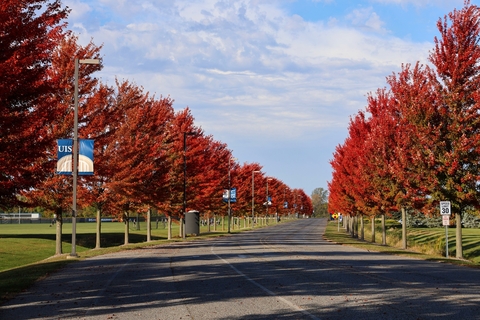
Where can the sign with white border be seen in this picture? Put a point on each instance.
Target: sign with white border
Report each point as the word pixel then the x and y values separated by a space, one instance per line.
pixel 445 208
pixel 445 220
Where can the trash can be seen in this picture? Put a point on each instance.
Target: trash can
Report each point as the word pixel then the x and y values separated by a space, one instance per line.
pixel 192 222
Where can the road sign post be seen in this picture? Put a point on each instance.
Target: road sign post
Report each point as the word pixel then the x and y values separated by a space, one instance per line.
pixel 446 211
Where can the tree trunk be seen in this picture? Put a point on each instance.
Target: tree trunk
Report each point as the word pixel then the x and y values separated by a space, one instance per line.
pixel 58 232
pixel 149 226
pixel 373 229
pixel 169 228
pixel 99 229
pixel 362 228
pixel 384 231
pixel 404 228
pixel 352 227
pixel 458 242
pixel 180 228
pixel 355 226
pixel 208 223
pixel 126 219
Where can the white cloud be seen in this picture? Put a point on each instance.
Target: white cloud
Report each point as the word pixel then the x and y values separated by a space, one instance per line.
pixel 247 68
pixel 251 54
pixel 366 18
pixel 248 37
pixel 143 27
pixel 78 9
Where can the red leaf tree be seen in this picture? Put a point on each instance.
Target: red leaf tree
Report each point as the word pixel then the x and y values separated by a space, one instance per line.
pixel 29 32
pixel 350 190
pixel 456 58
pixel 133 163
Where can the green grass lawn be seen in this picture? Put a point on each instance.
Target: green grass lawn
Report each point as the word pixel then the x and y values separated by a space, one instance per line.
pixel 27 251
pixel 22 244
pixel 435 238
pixel 426 243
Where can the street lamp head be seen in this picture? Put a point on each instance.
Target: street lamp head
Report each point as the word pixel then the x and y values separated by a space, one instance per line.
pixel 89 61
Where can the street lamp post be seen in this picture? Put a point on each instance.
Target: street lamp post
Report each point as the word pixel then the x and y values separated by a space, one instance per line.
pixel 75 152
pixel 295 205
pixel 266 203
pixel 185 179
pixel 229 193
pixel 253 197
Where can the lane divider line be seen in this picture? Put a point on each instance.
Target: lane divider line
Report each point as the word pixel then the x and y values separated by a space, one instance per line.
pixel 290 304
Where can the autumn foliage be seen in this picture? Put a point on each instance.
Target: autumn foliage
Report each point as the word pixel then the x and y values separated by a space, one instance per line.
pixel 147 154
pixel 27 42
pixel 418 142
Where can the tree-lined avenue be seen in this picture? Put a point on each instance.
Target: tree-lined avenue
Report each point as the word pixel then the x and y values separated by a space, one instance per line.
pixel 285 271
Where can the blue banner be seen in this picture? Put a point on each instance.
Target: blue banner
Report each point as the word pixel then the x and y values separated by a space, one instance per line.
pixel 65 156
pixel 233 195
pixel 85 159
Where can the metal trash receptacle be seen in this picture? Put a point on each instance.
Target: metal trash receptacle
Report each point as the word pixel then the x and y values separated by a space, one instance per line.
pixel 192 222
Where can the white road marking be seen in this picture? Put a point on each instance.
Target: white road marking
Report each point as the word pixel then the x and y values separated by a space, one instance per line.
pixel 290 304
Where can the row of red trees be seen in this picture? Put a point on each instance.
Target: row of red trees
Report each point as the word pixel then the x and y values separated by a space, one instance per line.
pixel 418 142
pixel 141 142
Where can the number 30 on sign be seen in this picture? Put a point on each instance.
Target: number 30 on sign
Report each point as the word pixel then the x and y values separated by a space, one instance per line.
pixel 445 209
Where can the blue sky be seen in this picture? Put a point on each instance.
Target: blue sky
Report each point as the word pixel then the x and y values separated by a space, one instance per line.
pixel 276 80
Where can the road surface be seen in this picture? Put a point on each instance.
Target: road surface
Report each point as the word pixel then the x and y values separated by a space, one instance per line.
pixel 285 271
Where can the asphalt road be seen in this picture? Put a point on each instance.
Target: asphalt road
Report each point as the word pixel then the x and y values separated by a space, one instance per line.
pixel 285 271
